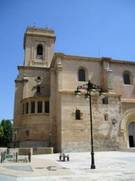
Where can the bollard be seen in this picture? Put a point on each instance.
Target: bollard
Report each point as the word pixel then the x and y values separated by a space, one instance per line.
pixel 60 157
pixel 29 156
pixel 4 156
pixel 16 157
pixel 67 157
pixel 8 150
pixel 1 157
pixel 64 157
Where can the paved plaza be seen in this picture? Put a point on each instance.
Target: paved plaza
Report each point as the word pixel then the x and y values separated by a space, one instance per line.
pixel 110 166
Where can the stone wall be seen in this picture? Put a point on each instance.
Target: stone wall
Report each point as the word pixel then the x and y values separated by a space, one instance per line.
pixel 75 134
pixel 32 126
pixel 116 79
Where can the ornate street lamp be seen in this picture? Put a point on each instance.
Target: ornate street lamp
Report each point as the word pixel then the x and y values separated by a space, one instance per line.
pixel 90 89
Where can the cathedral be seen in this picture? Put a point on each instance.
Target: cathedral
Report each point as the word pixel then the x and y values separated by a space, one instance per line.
pixel 48 114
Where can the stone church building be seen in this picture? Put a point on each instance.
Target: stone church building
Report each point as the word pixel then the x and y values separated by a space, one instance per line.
pixel 47 112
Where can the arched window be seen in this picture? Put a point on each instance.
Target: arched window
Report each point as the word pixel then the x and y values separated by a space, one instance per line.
pixel 127 77
pixel 26 107
pixel 39 107
pixel 33 107
pixel 81 75
pixel 39 50
pixel 77 114
pixel 46 106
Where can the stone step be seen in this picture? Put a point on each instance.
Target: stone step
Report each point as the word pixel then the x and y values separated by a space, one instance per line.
pixel 128 150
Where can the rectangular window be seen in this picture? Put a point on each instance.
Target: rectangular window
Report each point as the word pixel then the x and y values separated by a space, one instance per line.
pixel 27 108
pixel 32 107
pixel 105 100
pixel 77 114
pixel 47 107
pixel 39 106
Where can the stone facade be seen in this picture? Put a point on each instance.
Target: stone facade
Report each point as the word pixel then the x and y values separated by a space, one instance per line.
pixel 45 104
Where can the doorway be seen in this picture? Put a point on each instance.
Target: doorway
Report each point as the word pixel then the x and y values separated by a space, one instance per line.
pixel 131 134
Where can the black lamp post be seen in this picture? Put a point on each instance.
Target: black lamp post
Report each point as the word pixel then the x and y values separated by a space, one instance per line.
pixel 90 88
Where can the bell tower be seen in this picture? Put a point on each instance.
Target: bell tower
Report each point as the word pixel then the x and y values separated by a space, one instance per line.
pixel 38 46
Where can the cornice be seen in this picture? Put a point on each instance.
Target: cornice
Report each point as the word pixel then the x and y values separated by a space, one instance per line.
pixel 32 68
pixel 21 80
pixel 35 98
pixel 128 100
pixel 63 56
pixel 113 94
pixel 76 58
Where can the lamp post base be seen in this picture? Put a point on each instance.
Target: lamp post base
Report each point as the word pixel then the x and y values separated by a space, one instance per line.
pixel 93 167
pixel 92 161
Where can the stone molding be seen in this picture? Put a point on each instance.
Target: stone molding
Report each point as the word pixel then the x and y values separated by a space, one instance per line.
pixel 32 68
pixel 128 100
pixel 35 98
pixel 105 94
pixel 89 59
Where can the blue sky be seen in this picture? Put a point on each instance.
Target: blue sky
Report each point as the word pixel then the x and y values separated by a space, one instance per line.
pixel 83 27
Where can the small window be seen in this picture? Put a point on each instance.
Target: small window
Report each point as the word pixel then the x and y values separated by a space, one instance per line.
pixel 126 77
pixel 27 108
pixel 105 100
pixel 27 133
pixel 38 78
pixel 81 75
pixel 38 89
pixel 39 106
pixel 106 117
pixel 32 107
pixel 77 114
pixel 39 50
pixel 46 106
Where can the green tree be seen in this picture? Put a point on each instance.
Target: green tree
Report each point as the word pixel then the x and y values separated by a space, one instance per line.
pixel 1 131
pixel 1 134
pixel 5 132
